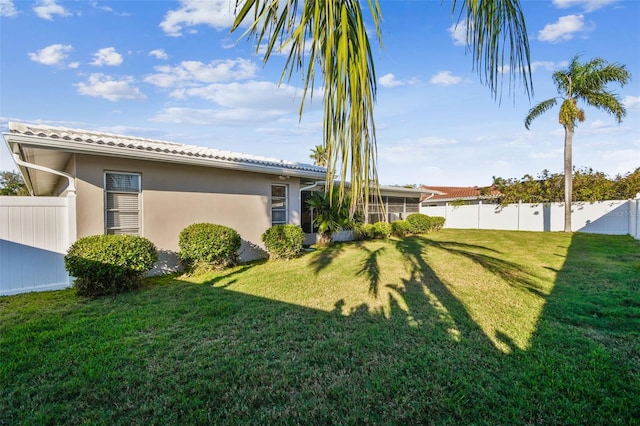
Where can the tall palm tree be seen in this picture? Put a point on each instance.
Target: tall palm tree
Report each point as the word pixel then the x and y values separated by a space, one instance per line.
pixel 329 36
pixel 319 156
pixel 587 83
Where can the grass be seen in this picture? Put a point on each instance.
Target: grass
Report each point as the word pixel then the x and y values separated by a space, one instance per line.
pixel 457 327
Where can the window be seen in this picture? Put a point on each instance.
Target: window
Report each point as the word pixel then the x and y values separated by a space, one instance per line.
pixel 278 204
pixel 122 203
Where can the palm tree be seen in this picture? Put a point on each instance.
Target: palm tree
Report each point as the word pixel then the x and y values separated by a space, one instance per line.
pixel 587 83
pixel 329 36
pixel 330 214
pixel 319 156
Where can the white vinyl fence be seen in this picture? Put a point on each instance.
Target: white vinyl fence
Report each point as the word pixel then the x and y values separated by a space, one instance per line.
pixel 616 217
pixel 35 233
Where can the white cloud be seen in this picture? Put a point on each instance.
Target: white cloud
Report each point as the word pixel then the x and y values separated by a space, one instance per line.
pixel 599 124
pixel 218 14
pixel 215 117
pixel 545 155
pixel 631 102
pixel 445 78
pixel 46 9
pixel 7 8
pixel 108 9
pixel 238 103
pixel 257 95
pixel 102 86
pixel 548 65
pixel 389 80
pixel 588 5
pixel 107 56
pixel 407 151
pixel 563 30
pixel 459 33
pixel 190 73
pixel 51 55
pixel 159 54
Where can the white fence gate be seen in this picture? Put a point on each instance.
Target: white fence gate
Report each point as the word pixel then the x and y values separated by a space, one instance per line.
pixel 616 217
pixel 35 233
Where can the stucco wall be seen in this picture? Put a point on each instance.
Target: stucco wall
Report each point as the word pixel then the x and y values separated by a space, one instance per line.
pixel 175 196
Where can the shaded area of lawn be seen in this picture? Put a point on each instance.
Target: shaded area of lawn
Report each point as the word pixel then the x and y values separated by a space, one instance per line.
pixel 425 330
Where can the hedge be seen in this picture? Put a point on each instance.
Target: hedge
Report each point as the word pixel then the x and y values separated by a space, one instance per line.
pixel 109 264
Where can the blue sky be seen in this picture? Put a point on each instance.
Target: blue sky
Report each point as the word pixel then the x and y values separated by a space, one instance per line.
pixel 171 70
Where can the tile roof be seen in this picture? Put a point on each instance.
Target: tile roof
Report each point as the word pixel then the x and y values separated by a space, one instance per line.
pixel 460 192
pixel 128 145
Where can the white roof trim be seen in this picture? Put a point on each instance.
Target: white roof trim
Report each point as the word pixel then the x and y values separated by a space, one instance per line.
pixel 86 141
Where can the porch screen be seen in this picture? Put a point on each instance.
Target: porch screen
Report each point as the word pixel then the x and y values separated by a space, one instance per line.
pixel 122 203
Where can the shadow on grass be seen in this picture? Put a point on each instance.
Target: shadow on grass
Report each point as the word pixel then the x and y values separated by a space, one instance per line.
pixel 323 256
pixel 190 354
pixel 414 248
pixel 371 269
pixel 583 363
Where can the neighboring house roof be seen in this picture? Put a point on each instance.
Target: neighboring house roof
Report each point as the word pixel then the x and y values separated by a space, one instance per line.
pixel 391 190
pixel 452 193
pixel 27 140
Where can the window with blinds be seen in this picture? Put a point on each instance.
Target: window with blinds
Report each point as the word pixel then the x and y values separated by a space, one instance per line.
pixel 122 203
pixel 278 204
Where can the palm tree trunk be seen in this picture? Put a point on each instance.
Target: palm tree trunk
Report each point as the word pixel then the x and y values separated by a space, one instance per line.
pixel 568 177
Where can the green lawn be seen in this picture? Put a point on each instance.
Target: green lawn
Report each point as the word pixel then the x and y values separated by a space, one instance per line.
pixel 457 327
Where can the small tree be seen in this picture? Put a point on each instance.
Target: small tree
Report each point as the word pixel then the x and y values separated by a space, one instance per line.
pixel 330 214
pixel 11 183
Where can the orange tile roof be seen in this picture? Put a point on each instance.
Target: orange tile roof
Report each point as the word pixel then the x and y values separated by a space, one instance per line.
pixel 460 192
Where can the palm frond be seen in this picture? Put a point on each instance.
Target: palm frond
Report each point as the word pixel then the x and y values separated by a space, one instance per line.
pixel 538 110
pixel 497 39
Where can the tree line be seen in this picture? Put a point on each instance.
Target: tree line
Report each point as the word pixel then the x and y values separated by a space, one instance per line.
pixel 588 185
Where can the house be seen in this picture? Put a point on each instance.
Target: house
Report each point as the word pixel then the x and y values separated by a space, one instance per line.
pixel 122 184
pixel 464 195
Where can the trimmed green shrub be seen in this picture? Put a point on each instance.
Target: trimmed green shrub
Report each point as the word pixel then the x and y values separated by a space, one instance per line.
pixel 437 223
pixel 109 264
pixel 420 223
pixel 364 231
pixel 401 228
pixel 283 241
pixel 208 245
pixel 382 230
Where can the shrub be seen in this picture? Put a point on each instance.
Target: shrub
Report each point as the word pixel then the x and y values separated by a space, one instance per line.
pixel 109 264
pixel 437 222
pixel 283 241
pixel 420 223
pixel 401 228
pixel 208 245
pixel 364 231
pixel 382 230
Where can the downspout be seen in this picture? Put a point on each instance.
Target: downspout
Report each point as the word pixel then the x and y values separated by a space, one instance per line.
pixel 71 188
pixel 72 230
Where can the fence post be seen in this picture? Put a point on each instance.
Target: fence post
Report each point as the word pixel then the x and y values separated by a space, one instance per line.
pixel 479 212
pixel 637 212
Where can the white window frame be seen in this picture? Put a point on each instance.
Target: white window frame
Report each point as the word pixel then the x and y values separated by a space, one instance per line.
pixel 107 210
pixel 286 204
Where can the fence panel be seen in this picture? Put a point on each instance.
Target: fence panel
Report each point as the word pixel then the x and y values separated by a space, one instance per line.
pixel 35 233
pixel 615 217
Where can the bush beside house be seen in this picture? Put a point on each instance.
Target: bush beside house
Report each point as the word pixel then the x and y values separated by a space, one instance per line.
pixel 208 245
pixel 283 241
pixel 109 264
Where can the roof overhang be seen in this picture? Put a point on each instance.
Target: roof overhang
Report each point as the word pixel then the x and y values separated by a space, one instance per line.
pixel 55 153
